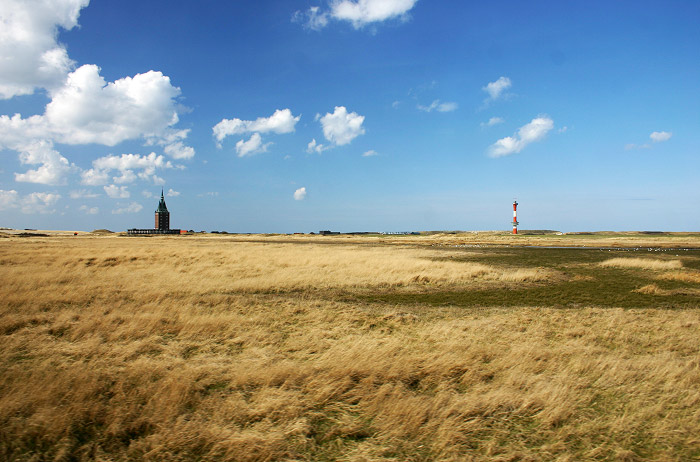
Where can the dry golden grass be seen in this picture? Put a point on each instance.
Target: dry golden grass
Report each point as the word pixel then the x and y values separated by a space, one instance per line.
pixel 204 349
pixel 685 276
pixel 643 263
pixel 653 289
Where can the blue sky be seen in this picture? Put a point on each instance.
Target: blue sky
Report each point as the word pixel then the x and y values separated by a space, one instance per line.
pixel 350 115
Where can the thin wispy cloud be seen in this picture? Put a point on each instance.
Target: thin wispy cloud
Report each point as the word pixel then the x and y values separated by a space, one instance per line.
pixel 529 133
pixel 493 121
pixel 359 13
pixel 133 207
pixel 438 106
pixel 655 137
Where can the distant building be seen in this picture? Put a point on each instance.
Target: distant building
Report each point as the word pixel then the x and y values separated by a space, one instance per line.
pixel 162 221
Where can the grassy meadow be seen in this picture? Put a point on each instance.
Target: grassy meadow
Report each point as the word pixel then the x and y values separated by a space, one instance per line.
pixel 299 348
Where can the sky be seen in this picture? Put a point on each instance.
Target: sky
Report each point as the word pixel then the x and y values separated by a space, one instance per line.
pixel 281 116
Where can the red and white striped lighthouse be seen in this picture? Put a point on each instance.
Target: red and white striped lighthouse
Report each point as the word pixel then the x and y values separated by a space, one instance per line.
pixel 515 217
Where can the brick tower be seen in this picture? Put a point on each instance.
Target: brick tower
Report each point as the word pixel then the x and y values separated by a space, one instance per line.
pixel 162 215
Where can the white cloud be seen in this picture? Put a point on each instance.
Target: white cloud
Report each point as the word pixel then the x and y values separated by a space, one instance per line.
pixel 89 110
pixel 172 193
pixel 658 137
pixel 253 146
pixel 440 107
pixel 89 210
pixel 129 167
pixel 529 133
pixel 54 167
pixel 341 127
pixel 148 194
pixel 178 150
pixel 82 194
pixel 496 89
pixel 370 153
pixel 8 199
pixel 36 202
pixel 86 110
pixel 315 147
pixel 30 55
pixel 39 203
pixel 117 192
pixel 357 12
pixel 281 122
pixel 134 207
pixel 94 177
pixel 492 121
pixel 300 194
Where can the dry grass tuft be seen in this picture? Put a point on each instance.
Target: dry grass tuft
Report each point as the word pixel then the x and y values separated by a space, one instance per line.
pixel 643 263
pixel 653 289
pixel 683 276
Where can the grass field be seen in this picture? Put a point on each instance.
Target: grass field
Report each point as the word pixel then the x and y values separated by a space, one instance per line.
pixel 261 348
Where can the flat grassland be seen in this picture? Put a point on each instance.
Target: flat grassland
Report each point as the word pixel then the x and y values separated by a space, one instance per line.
pixel 296 348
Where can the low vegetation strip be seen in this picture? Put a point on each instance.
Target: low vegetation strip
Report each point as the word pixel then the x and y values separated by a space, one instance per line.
pixel 209 349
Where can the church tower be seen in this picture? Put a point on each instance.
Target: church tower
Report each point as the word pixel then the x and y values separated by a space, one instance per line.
pixel 162 215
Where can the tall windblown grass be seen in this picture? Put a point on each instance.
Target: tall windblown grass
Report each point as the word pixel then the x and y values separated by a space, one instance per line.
pixel 643 263
pixel 166 349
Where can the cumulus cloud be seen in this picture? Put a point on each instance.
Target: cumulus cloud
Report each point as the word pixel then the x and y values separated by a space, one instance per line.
pixel 359 13
pixel 440 107
pixel 658 137
pixel 496 89
pixel 300 194
pixel 36 202
pixel 370 153
pixel 117 192
pixel 281 122
pixel 54 167
pixel 92 177
pixel 492 121
pixel 88 110
pixel 253 146
pixel 341 127
pixel 8 199
pixel 529 133
pixel 134 207
pixel 128 166
pixel 30 55
pixel 172 193
pixel 178 150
